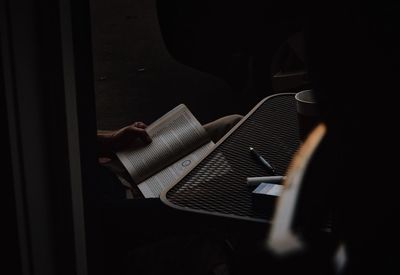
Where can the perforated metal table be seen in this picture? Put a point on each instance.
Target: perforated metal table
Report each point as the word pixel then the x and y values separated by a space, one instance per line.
pixel 217 185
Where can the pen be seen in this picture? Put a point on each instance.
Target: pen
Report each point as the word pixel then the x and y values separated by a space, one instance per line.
pixel 262 160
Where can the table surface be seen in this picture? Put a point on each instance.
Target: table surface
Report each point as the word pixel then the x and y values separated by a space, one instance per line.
pixel 217 185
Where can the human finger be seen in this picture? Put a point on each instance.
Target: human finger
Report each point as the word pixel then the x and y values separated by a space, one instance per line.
pixel 134 132
pixel 140 125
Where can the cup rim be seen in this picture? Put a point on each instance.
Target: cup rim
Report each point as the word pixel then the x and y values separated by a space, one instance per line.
pixel 303 100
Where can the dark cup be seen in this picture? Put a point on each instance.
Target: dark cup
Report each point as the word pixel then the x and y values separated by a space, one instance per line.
pixel 307 112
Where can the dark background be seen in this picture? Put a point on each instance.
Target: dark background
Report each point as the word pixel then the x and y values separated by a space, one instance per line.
pixel 214 56
pixel 132 60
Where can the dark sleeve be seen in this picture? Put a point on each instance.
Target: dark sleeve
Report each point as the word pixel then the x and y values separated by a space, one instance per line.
pixel 104 188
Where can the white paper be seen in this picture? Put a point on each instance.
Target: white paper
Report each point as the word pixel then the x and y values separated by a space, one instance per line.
pixel 269 189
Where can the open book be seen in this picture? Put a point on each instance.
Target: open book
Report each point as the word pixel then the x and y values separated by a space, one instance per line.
pixel 179 142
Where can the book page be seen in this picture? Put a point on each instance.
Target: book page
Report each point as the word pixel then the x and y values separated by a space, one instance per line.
pixel 153 186
pixel 174 135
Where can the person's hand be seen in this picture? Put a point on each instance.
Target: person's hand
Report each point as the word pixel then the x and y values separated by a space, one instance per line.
pixel 130 136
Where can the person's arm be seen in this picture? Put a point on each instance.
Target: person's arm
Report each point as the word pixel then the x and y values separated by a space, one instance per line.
pixel 110 142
